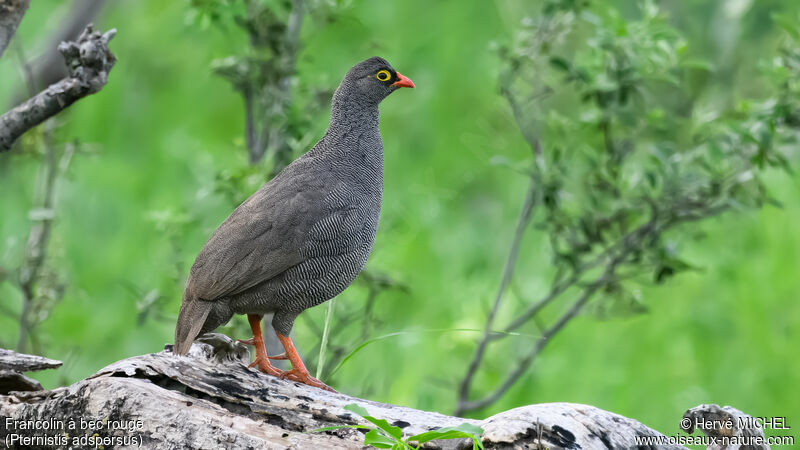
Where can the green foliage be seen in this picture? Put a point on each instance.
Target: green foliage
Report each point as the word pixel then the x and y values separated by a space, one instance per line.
pixel 626 159
pixel 264 74
pixel 389 436
pixel 627 149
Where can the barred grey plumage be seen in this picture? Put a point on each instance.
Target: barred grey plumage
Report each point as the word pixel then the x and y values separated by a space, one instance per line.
pixel 304 236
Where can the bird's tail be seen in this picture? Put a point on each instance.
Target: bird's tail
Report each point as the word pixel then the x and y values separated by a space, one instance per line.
pixel 190 321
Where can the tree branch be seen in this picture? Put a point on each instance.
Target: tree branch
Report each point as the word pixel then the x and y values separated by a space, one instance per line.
pixel 525 362
pixel 560 287
pixel 11 13
pixel 88 61
pixel 49 67
pixel 625 245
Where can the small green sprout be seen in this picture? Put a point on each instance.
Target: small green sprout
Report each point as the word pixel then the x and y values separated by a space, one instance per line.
pixel 391 437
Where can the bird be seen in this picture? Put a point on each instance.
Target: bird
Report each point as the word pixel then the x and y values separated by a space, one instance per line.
pixel 303 237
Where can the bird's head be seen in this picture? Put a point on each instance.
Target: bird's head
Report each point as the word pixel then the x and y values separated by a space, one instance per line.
pixel 370 81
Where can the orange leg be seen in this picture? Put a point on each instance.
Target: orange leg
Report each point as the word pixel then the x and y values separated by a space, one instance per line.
pixel 299 371
pixel 262 360
pixel 251 342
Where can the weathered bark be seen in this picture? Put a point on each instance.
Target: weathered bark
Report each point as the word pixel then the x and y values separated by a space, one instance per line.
pixel 12 364
pixel 11 380
pixel 88 62
pixel 49 67
pixel 11 13
pixel 21 362
pixel 210 399
pixel 724 415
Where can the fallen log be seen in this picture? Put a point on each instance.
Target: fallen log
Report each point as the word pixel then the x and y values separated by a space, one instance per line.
pixel 210 399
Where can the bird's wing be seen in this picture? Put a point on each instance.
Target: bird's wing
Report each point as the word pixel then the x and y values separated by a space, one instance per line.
pixel 260 239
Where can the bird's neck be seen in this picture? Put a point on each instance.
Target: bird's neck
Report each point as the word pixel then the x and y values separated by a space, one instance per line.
pixel 353 140
pixel 349 116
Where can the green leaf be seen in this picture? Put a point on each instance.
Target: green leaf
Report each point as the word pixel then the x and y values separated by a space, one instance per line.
pixel 465 430
pixel 393 431
pixel 378 440
pixel 469 428
pixel 788 24
pixel 560 63
pixel 358 409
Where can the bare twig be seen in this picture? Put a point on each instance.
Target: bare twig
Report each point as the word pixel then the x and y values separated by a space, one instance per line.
pixel 39 237
pixel 531 197
pixel 624 245
pixel 88 61
pixel 559 287
pixel 524 363
pixel 249 120
pixel 608 276
pixel 508 273
pixel 367 319
pixel 11 13
pixel 535 308
pixel 590 238
pixel 324 343
pixel 617 253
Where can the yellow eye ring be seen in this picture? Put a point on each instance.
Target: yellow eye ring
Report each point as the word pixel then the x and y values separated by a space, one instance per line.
pixel 383 75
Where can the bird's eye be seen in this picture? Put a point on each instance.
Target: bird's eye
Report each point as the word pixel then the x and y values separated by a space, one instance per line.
pixel 383 75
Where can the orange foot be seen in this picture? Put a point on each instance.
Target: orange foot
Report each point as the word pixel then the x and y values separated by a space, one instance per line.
pixel 299 372
pixel 262 360
pixel 265 367
pixel 302 376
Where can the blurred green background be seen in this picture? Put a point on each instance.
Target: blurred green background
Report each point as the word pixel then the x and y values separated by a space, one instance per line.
pixel 164 127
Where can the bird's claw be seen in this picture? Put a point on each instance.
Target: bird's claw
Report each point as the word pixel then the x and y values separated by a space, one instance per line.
pixel 299 374
pixel 305 378
pixel 265 367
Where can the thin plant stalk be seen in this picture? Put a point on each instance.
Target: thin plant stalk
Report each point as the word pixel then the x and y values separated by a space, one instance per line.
pixel 324 344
